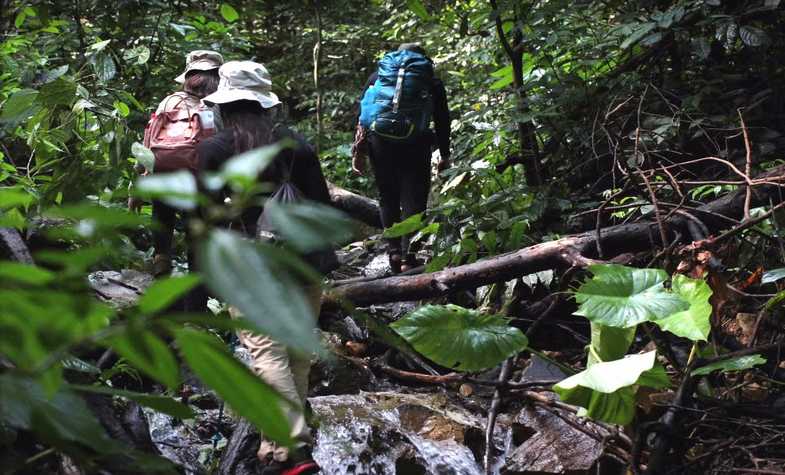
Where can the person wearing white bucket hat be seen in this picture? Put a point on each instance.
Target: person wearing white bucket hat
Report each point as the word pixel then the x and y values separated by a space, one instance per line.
pixel 247 104
pixel 244 80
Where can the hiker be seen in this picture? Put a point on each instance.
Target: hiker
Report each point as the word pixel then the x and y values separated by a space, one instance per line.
pixel 179 122
pixel 247 105
pixel 395 113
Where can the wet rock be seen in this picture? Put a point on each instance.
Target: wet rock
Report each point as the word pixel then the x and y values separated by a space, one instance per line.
pixel 120 289
pixel 388 433
pixel 548 444
pixel 192 443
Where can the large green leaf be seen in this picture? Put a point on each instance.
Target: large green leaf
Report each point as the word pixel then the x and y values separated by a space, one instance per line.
pixel 692 323
pixel 604 389
pixel 254 278
pixel 623 297
pixel 460 338
pixel 731 364
pixel 249 395
pixel 244 169
pixel 19 107
pixel 309 226
pixel 176 189
pixel 409 225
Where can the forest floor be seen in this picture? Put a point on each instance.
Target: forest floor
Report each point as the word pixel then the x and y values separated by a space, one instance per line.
pixel 378 411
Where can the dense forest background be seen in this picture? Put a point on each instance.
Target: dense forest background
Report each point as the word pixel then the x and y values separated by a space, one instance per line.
pixel 567 117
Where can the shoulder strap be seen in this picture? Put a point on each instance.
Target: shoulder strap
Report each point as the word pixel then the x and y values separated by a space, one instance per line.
pixel 398 88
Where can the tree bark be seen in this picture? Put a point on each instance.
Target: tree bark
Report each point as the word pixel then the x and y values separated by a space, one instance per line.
pixel 13 247
pixel 578 250
pixel 357 206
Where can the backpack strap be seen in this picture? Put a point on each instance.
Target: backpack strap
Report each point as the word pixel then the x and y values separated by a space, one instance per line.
pixel 398 88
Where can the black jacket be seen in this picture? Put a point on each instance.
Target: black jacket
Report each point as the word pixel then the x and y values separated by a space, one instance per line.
pixel 441 113
pixel 306 172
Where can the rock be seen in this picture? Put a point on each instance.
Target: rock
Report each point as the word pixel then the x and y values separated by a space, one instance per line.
pixel 239 457
pixel 120 289
pixel 548 444
pixel 389 433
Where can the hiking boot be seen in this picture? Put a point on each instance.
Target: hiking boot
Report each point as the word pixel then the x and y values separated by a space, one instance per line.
pixel 410 263
pixel 162 265
pixel 395 263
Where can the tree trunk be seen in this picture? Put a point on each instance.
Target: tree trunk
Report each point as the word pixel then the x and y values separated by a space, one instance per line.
pixel 357 206
pixel 317 60
pixel 577 250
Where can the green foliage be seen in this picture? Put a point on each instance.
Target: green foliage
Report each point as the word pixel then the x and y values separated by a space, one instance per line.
pixel 731 364
pixel 256 278
pixel 623 297
pixel 309 226
pixel 459 338
pixel 248 394
pixel 693 323
pixel 605 390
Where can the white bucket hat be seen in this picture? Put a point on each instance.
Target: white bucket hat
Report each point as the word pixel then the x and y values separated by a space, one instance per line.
pixel 200 60
pixel 243 80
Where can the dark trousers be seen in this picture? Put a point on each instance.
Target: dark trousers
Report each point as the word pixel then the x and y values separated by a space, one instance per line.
pixel 165 218
pixel 403 176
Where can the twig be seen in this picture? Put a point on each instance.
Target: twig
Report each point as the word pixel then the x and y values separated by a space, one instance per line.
pixel 657 215
pixel 748 166
pixel 493 412
pixel 747 224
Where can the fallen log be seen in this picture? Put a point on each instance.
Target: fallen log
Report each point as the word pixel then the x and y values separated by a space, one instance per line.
pixel 572 251
pixel 13 247
pixel 359 207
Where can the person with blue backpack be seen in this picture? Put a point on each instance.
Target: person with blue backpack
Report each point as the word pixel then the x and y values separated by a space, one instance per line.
pixel 398 103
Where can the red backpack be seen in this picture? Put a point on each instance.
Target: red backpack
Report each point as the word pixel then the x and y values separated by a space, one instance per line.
pixel 172 135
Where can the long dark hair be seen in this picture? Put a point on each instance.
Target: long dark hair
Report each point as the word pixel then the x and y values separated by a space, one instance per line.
pixel 251 125
pixel 201 83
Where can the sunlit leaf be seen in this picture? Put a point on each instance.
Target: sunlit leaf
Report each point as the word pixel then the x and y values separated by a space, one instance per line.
pixel 603 389
pixel 177 189
pixel 623 297
pixel 409 225
pixel 694 322
pixel 229 13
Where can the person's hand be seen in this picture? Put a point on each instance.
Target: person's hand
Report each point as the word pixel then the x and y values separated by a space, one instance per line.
pixel 359 164
pixel 444 163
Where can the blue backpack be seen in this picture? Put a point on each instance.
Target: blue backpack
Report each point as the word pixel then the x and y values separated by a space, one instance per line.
pixel 398 105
